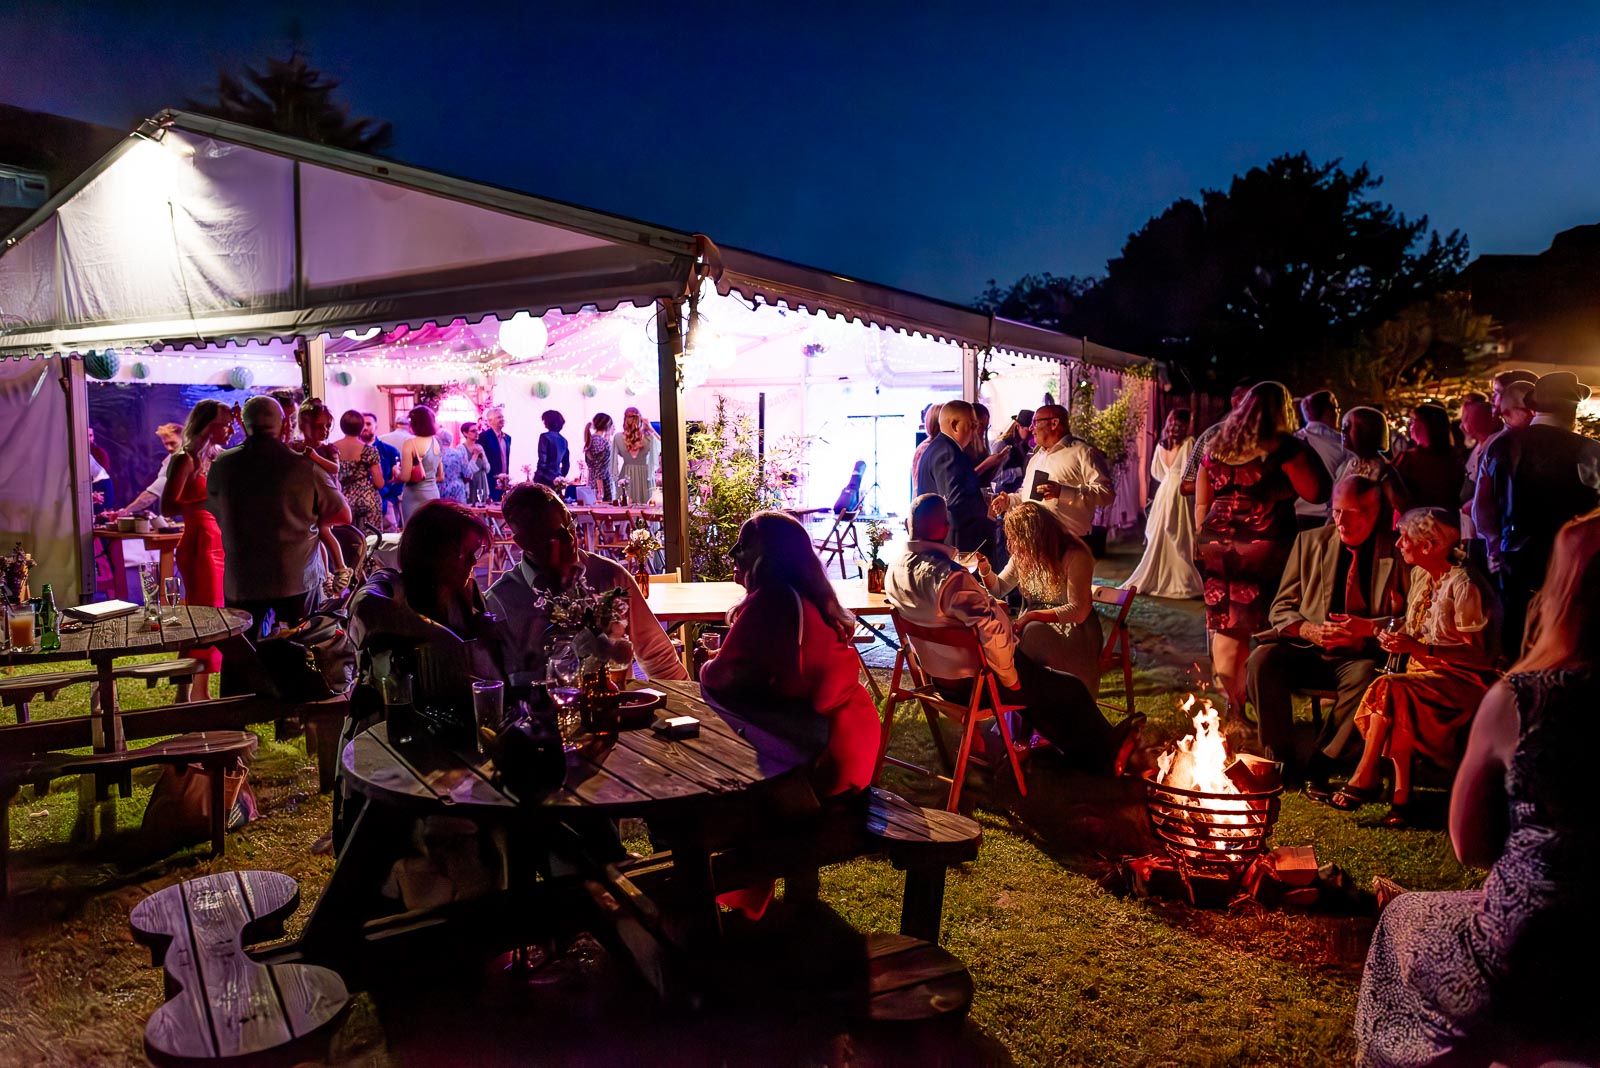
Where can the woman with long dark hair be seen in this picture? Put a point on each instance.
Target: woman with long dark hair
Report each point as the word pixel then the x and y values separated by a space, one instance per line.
pixel 1252 473
pixel 1432 470
pixel 420 467
pixel 1491 971
pixel 1366 436
pixel 199 556
pixel 598 456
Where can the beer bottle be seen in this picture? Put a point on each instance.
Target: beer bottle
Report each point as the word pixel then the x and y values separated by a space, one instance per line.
pixel 49 622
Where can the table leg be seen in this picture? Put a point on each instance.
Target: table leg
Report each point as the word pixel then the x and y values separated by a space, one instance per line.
pixel 691 637
pixel 106 729
pixel 119 568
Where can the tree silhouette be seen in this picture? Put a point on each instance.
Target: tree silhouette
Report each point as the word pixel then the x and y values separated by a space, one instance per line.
pixel 1278 276
pixel 292 97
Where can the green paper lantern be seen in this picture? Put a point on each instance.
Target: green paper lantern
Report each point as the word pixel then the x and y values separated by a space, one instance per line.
pixel 343 378
pixel 473 380
pixel 140 370
pixel 102 365
pixel 541 389
pixel 241 377
pixel 590 389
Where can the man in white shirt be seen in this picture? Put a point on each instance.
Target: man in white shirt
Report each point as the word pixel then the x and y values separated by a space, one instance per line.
pixel 1320 410
pixel 1069 477
pixel 149 499
pixel 927 586
pixel 552 564
pixel 399 435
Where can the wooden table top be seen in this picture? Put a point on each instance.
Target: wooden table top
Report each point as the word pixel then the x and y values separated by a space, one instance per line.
pixel 154 537
pixel 640 772
pixel 126 635
pixel 708 602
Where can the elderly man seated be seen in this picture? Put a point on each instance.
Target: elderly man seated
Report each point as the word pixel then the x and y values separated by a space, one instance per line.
pixel 1341 584
pixel 927 586
pixel 553 566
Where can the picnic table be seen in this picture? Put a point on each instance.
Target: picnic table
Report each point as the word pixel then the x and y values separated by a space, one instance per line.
pixel 682 787
pixel 164 542
pixel 693 604
pixel 106 641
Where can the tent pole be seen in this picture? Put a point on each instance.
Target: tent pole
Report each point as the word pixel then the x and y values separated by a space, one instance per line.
pixel 75 385
pixel 674 441
pixel 969 373
pixel 308 353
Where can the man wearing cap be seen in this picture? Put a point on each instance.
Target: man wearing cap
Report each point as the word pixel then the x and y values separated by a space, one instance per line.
pixel 1068 476
pixel 1532 480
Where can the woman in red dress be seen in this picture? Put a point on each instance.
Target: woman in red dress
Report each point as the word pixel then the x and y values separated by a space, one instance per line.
pixel 199 555
pixel 788 655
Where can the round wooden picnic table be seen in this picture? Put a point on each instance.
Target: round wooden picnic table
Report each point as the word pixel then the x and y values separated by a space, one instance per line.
pixel 106 641
pixel 681 786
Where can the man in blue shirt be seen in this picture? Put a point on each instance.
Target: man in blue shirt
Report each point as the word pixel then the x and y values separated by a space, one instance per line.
pixel 388 456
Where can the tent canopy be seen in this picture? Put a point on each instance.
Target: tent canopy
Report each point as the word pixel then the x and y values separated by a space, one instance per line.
pixel 197 231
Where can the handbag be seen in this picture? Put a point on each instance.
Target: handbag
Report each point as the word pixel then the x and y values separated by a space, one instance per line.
pixel 312 662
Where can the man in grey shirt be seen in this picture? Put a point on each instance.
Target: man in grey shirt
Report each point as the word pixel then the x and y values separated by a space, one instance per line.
pixel 270 503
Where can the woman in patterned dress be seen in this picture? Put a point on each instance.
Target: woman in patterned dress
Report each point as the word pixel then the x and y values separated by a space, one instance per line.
pixel 1505 973
pixel 597 456
pixel 360 473
pixel 1253 471
pixel 1451 636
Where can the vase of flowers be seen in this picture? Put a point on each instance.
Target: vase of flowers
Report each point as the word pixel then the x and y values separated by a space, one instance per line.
pixel 642 545
pixel 878 535
pixel 622 492
pixel 14 576
pixel 595 625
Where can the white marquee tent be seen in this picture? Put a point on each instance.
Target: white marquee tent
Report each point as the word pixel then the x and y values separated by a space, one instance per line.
pixel 198 244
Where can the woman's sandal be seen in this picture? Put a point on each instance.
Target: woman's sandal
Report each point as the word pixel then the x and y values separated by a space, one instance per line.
pixel 1349 798
pixel 1396 818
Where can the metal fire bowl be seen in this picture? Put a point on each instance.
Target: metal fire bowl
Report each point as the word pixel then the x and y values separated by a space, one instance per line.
pixel 1215 832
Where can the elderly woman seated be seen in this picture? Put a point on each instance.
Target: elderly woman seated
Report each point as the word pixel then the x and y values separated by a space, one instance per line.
pixel 1451 639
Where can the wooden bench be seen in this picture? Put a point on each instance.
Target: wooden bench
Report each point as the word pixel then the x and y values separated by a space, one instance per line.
pixel 220 1003
pixel 214 751
pixel 20 691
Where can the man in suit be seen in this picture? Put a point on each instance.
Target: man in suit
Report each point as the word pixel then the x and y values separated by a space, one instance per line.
pixel 1340 586
pixel 947 470
pixel 496 447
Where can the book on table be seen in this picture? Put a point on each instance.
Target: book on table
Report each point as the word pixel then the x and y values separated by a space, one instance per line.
pixel 99 610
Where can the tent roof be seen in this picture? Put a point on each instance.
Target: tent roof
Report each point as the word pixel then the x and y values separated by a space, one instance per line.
pixel 195 231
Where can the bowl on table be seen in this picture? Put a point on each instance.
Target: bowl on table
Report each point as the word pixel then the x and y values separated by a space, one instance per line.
pixel 125 523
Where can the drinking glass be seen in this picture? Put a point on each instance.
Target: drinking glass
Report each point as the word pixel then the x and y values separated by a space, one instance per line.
pixel 561 677
pixel 20 627
pixel 397 707
pixel 488 708
pixel 172 590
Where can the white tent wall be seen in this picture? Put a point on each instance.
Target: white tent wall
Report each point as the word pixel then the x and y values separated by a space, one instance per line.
pixel 36 498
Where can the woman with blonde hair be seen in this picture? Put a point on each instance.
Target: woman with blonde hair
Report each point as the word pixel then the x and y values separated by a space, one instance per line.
pixel 1451 639
pixel 1490 972
pixel 1253 471
pixel 636 448
pixel 1059 627
pixel 199 556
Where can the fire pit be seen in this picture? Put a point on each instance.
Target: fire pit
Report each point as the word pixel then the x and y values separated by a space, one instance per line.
pixel 1213 813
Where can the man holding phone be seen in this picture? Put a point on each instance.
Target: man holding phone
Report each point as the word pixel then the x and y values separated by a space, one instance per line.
pixel 1341 584
pixel 1069 477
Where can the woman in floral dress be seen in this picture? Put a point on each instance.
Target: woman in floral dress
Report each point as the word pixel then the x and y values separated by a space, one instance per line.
pixel 597 457
pixel 360 474
pixel 1253 471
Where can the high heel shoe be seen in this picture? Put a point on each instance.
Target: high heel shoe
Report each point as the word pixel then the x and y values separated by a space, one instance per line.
pixel 1349 798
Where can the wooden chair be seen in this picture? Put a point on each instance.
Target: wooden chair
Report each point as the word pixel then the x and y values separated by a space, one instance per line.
pixel 841 537
pixel 1118 649
pixel 984 703
pixel 1317 697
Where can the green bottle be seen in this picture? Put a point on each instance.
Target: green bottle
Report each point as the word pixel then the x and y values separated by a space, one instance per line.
pixel 49 622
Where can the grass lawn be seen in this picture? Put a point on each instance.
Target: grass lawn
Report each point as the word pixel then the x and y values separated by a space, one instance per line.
pixel 1067 969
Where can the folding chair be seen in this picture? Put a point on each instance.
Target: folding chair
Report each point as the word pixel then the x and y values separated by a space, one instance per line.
pixel 840 538
pixel 983 704
pixel 1119 644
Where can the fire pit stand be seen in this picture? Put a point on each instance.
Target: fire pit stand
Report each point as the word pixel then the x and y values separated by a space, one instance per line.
pixel 1216 833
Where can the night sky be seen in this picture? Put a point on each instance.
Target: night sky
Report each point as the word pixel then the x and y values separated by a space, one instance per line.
pixel 930 146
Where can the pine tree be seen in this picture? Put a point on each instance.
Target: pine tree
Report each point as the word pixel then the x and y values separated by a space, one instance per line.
pixel 292 97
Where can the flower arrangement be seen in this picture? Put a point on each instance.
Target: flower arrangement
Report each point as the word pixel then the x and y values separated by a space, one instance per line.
pixel 642 544
pixel 14 571
pixel 596 621
pixel 527 472
pixel 503 480
pixel 878 535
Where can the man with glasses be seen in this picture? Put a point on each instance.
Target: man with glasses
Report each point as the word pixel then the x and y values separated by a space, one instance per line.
pixel 1069 477
pixel 553 565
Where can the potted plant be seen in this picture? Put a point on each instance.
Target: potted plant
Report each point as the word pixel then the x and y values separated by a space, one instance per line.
pixel 642 545
pixel 14 576
pixel 878 535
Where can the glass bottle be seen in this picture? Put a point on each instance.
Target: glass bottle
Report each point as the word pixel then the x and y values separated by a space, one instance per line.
pixel 49 622
pixel 597 700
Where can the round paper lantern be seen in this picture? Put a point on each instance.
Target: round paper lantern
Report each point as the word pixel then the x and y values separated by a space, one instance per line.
pixel 541 389
pixel 343 378
pixel 241 377
pixel 523 336
pixel 472 380
pixel 140 370
pixel 590 389
pixel 102 365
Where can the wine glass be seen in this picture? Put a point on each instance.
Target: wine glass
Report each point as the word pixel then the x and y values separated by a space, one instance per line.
pixel 562 669
pixel 172 590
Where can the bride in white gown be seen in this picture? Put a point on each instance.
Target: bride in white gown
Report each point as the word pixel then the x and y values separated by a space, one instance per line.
pixel 1167 569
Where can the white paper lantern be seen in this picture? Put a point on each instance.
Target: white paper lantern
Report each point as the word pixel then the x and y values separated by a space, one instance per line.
pixel 523 336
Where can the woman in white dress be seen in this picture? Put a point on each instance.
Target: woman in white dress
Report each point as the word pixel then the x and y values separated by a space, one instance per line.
pixel 1167 569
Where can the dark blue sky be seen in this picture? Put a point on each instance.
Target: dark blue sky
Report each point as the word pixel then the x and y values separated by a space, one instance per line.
pixel 930 146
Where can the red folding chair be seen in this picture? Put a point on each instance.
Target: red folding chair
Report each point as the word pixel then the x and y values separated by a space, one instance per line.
pixel 984 703
pixel 1118 649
